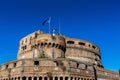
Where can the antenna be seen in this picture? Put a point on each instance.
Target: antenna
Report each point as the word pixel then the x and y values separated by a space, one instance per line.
pixel 53 32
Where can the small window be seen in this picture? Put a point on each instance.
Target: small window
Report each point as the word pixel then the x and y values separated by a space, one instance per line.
pixel 56 63
pixel 22 43
pixel 6 66
pixel 30 39
pixel 53 44
pixel 41 44
pixel 81 43
pixel 77 65
pixel 70 42
pixel 56 45
pixel 36 62
pixel 59 46
pixel 25 47
pixel 26 40
pixel 93 47
pixel 14 65
pixel 45 43
pixel 89 45
pixel 49 43
pixel 36 35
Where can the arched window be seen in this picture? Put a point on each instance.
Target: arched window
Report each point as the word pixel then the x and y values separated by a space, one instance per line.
pixel 18 78
pixel 14 65
pixel 56 45
pixel 61 78
pixel 45 44
pixel 29 78
pixel 41 44
pixel 51 78
pixel 59 46
pixel 71 78
pixel 53 44
pixel 79 79
pixel 40 78
pixel 12 78
pixel 56 78
pixel 36 34
pixel 75 78
pixel 45 78
pixel 49 43
pixel 35 78
pixel 6 66
pixel 77 65
pixel 66 78
pixel 23 78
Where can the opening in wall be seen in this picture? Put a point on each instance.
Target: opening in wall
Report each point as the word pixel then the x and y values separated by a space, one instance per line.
pixel 14 65
pixel 6 66
pixel 81 43
pixel 70 42
pixel 36 62
pixel 93 47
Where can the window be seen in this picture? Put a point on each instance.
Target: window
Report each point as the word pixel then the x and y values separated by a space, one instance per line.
pixel 22 43
pixel 66 78
pixel 93 47
pixel 89 45
pixel 6 66
pixel 56 63
pixel 41 44
pixel 59 46
pixel 26 40
pixel 29 78
pixel 56 45
pixel 14 65
pixel 36 35
pixel 53 44
pixel 61 78
pixel 36 62
pixel 30 39
pixel 45 44
pixel 25 47
pixel 77 65
pixel 81 43
pixel 56 78
pixel 70 42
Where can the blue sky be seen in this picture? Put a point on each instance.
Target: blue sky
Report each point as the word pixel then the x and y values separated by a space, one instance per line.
pixel 97 21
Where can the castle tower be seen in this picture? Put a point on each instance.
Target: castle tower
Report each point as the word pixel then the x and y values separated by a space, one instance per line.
pixel 41 45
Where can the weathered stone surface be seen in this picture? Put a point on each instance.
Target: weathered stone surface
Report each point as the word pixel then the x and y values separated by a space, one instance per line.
pixel 42 56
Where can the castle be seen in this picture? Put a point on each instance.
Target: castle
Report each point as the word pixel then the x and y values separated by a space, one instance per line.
pixel 43 56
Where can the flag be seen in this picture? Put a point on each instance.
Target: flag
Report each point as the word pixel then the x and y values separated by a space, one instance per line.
pixel 46 21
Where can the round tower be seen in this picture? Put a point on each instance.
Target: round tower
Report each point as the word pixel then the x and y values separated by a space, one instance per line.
pixel 84 51
pixel 42 46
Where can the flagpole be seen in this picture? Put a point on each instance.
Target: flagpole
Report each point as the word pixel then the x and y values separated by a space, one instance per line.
pixel 49 24
pixel 59 25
